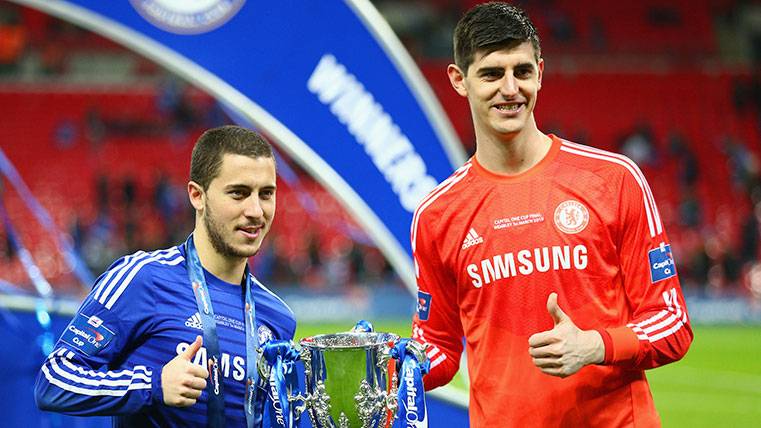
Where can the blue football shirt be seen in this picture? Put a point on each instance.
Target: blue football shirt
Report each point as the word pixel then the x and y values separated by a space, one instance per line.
pixel 140 314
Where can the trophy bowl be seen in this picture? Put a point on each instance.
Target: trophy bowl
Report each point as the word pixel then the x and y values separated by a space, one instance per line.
pixel 348 381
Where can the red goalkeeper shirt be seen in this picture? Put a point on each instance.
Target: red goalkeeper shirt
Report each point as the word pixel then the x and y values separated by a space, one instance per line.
pixel 490 248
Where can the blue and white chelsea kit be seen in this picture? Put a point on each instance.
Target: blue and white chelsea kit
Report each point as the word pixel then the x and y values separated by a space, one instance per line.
pixel 140 314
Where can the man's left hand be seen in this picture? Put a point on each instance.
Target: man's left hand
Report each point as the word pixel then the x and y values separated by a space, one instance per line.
pixel 565 349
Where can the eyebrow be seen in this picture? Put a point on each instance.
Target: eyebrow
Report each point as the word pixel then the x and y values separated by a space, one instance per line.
pixel 249 188
pixel 525 65
pixel 237 187
pixel 520 66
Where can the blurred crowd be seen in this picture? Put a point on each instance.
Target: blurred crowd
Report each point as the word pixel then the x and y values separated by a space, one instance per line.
pixel 314 243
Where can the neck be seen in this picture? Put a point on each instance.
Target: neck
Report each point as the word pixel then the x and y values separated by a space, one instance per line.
pixel 226 268
pixel 512 153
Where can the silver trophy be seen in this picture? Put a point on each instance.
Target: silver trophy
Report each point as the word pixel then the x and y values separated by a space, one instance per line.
pixel 349 381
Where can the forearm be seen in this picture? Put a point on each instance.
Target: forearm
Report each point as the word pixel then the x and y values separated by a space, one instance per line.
pixel 67 384
pixel 635 347
pixel 443 355
pixel 441 373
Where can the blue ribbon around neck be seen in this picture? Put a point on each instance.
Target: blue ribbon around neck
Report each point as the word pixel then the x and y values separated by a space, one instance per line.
pixel 214 388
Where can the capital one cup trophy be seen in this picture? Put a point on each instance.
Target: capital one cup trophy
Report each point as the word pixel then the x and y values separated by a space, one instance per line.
pixel 351 380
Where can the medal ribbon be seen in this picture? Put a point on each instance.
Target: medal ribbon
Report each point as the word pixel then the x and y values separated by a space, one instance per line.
pixel 214 388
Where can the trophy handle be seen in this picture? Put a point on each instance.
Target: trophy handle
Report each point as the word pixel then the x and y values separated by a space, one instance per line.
pixel 300 401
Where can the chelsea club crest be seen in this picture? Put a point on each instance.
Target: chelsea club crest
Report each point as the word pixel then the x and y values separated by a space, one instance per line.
pixel 187 17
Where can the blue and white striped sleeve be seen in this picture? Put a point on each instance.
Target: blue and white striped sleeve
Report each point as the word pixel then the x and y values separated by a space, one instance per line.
pixel 87 373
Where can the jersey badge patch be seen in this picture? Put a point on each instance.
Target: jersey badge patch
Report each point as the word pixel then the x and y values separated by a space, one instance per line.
pixel 661 263
pixel 571 217
pixel 88 334
pixel 423 305
pixel 265 334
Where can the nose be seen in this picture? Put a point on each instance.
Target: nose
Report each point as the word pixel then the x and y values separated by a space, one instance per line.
pixel 509 86
pixel 253 208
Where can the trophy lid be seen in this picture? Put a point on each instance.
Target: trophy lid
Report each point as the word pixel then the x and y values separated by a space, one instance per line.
pixel 348 340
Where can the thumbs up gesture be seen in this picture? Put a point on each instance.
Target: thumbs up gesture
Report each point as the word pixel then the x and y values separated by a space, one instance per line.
pixel 565 349
pixel 182 381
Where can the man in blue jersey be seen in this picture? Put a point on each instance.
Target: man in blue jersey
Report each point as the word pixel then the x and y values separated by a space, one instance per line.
pixel 169 338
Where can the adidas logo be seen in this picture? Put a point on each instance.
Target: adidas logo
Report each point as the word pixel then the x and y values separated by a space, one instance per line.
pixel 472 239
pixel 194 321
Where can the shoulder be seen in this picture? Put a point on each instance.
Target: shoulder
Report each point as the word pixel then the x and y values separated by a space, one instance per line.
pixel 441 196
pixel 274 309
pixel 606 164
pixel 135 272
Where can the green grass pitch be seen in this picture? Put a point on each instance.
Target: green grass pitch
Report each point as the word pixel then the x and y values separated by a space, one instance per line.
pixel 717 384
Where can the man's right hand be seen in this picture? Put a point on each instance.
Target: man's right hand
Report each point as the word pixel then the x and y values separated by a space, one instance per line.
pixel 182 381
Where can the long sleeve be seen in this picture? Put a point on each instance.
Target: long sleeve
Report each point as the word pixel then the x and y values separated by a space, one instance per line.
pixel 658 331
pixel 437 321
pixel 88 373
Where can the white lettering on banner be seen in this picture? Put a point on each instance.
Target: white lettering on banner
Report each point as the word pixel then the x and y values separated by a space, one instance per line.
pixel 541 259
pixel 276 402
pixel 390 150
pixel 409 380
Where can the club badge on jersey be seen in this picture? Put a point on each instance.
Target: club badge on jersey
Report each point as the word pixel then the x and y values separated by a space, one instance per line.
pixel 87 334
pixel 661 263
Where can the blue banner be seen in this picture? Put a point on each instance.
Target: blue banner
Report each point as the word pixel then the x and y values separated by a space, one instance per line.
pixel 326 80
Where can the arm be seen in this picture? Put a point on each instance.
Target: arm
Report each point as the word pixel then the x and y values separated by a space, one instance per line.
pixel 437 321
pixel 82 375
pixel 657 331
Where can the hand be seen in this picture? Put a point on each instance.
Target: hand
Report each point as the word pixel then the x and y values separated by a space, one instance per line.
pixel 565 349
pixel 182 381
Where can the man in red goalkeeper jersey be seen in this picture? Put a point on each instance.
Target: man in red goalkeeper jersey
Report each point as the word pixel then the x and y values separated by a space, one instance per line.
pixel 549 257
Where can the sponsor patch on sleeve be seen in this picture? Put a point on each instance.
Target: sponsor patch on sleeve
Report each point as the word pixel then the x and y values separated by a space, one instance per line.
pixel 661 263
pixel 88 334
pixel 423 305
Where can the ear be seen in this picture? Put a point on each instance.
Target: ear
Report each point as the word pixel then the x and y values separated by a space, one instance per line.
pixel 541 71
pixel 196 195
pixel 457 79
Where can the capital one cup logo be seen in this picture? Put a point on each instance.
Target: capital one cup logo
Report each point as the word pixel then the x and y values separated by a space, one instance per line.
pixel 187 16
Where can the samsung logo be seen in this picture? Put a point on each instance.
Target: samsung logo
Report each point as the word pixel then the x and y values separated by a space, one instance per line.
pixel 527 262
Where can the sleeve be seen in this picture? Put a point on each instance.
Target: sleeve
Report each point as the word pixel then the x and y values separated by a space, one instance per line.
pixel 85 374
pixel 658 331
pixel 437 320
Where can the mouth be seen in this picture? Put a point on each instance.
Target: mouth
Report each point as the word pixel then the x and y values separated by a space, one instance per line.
pixel 250 232
pixel 509 109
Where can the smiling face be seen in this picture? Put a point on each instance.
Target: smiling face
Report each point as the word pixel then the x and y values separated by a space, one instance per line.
pixel 502 88
pixel 238 207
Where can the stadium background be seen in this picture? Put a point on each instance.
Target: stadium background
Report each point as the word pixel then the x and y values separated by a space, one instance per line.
pixel 102 137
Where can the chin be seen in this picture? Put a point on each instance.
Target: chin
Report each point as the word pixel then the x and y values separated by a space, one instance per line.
pixel 251 250
pixel 246 251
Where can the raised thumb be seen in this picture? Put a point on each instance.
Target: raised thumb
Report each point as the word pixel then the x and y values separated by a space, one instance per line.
pixel 192 349
pixel 556 313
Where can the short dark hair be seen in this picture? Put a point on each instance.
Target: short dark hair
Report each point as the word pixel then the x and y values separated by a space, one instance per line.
pixel 490 27
pixel 214 143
